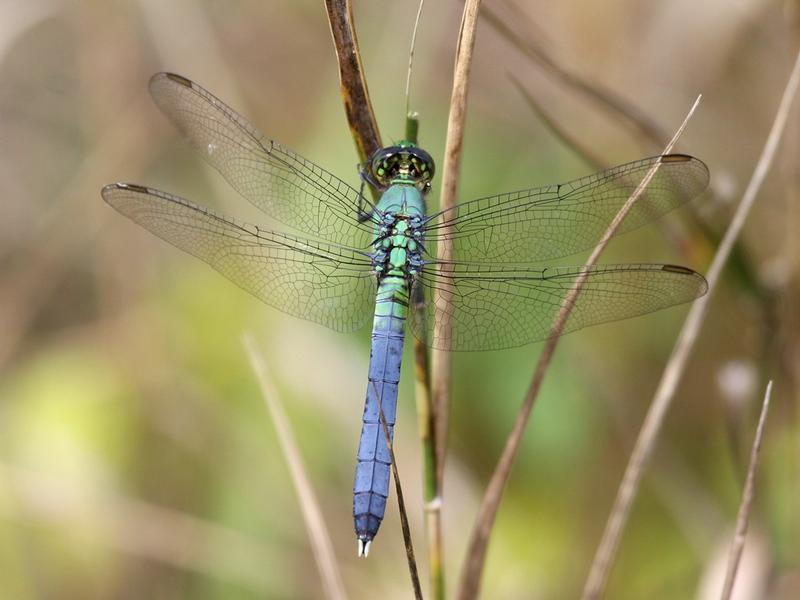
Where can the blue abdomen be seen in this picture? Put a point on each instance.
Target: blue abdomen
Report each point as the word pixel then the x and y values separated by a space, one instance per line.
pixel 373 469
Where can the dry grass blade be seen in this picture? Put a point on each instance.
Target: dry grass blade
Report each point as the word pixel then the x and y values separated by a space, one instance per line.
pixel 411 64
pixel 441 363
pixel 676 234
pixel 553 126
pixel 627 113
pixel 312 515
pixel 450 172
pixel 598 576
pixel 401 503
pixel 357 105
pixel 469 585
pixel 743 518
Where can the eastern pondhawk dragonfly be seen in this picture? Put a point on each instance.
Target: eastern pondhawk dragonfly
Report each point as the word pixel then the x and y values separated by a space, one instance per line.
pixel 365 260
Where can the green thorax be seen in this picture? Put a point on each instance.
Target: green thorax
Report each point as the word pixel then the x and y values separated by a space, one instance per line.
pixel 404 173
pixel 399 233
pixel 402 199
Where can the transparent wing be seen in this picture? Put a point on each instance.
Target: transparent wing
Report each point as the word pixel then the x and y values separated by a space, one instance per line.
pixel 325 283
pixel 503 306
pixel 561 220
pixel 285 186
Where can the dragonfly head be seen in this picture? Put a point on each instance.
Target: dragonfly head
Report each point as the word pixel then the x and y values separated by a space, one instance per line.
pixel 402 163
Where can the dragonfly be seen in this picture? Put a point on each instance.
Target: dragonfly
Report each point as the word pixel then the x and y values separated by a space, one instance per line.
pixel 345 260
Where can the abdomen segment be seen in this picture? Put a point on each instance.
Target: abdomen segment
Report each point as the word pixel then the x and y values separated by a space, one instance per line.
pixel 373 470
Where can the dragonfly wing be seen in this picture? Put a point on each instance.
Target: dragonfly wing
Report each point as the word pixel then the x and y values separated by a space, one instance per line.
pixel 561 220
pixel 285 186
pixel 325 283
pixel 492 307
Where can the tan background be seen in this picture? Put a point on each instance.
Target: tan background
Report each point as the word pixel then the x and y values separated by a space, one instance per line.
pixel 136 456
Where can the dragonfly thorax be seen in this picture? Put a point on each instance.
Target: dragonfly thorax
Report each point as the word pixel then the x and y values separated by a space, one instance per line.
pixel 403 163
pixel 398 251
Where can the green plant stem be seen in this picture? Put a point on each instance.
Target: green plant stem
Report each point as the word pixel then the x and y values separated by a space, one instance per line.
pixel 427 426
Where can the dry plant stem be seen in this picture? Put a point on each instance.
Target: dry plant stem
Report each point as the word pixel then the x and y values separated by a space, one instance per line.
pixel 629 114
pixel 450 172
pixel 568 140
pixel 441 361
pixel 743 518
pixel 469 585
pixel 357 104
pixel 676 233
pixel 401 503
pixel 606 551
pixel 410 65
pixel 312 514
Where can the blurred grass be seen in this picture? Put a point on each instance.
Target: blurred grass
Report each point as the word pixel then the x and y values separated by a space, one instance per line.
pixel 125 398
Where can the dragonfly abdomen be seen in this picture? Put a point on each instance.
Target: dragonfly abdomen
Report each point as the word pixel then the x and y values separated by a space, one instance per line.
pixel 371 487
pixel 396 260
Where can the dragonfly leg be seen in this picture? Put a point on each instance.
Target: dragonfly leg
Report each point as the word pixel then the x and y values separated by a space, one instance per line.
pixel 363 214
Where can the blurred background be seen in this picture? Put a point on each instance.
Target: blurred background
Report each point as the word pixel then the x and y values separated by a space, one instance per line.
pixel 137 459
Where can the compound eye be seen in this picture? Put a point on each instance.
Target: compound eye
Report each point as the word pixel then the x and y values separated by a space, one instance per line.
pixel 381 169
pixel 422 163
pixel 384 164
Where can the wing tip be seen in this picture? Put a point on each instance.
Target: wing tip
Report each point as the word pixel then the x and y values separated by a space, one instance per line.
pixel 107 191
pixel 681 270
pixel 134 187
pixel 174 77
pixel 679 157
